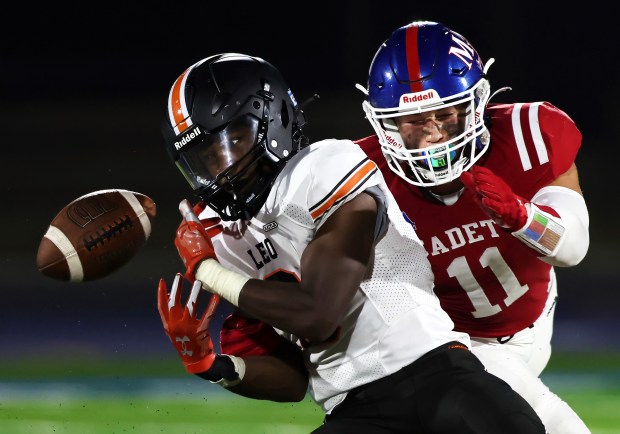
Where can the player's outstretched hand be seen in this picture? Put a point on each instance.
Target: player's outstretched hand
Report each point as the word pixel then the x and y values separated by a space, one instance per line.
pixel 193 238
pixel 188 333
pixel 496 198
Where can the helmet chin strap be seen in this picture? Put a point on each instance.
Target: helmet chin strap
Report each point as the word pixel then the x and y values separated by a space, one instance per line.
pixel 449 198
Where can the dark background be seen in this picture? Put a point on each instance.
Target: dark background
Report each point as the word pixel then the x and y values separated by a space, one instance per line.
pixel 84 90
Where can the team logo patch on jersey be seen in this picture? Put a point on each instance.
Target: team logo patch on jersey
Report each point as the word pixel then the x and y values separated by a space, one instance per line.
pixel 270 226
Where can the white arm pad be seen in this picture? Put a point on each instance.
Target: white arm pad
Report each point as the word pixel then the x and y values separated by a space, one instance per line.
pixel 221 281
pixel 574 240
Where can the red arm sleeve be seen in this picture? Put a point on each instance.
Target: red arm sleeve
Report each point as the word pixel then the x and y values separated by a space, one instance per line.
pixel 241 336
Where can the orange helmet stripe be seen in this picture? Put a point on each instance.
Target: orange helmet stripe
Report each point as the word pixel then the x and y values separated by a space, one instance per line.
pixel 178 112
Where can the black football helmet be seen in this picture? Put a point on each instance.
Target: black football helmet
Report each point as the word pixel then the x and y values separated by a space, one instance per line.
pixel 231 125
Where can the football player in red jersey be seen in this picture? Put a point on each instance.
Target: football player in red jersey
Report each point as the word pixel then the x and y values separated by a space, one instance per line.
pixel 493 192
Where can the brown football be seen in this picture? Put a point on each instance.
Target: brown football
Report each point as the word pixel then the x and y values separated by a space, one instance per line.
pixel 95 235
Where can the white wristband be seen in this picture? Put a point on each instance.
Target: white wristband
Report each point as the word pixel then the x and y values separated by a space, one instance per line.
pixel 221 281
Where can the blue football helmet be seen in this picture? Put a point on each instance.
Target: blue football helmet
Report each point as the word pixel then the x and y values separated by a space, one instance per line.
pixel 425 66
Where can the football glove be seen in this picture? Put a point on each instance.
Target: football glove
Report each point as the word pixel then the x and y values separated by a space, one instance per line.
pixel 193 237
pixel 188 333
pixel 496 198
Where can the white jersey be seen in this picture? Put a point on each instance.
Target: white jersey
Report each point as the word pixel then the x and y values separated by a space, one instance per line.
pixel 394 318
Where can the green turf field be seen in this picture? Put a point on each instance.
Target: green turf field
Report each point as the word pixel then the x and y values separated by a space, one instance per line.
pixel 157 415
pixel 129 397
pixel 219 415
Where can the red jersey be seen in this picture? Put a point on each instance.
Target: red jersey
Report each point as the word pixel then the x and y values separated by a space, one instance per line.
pixel 490 283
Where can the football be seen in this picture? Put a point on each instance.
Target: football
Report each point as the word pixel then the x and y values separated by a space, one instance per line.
pixel 95 235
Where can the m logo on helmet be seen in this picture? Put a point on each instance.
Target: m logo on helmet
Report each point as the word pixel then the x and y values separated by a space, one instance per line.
pixel 188 137
pixel 464 51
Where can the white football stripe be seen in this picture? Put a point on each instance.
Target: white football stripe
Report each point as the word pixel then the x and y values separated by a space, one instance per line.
pixel 539 143
pixel 137 207
pixel 61 241
pixel 518 132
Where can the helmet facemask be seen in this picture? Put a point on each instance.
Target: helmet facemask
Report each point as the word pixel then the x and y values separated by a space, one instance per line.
pixel 231 169
pixel 443 162
pixel 240 195
pixel 424 67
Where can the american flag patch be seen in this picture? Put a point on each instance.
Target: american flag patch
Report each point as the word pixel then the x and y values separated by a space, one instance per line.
pixel 543 232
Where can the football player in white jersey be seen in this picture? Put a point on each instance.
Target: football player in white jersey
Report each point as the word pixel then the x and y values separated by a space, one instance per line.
pixel 333 287
pixel 493 192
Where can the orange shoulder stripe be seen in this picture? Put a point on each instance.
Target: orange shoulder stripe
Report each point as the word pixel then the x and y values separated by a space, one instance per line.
pixel 347 187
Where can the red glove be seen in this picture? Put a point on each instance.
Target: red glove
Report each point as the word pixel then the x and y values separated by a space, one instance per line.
pixel 496 198
pixel 193 238
pixel 188 333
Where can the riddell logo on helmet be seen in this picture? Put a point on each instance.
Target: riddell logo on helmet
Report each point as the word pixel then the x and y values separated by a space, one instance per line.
pixel 410 98
pixel 392 141
pixel 187 138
